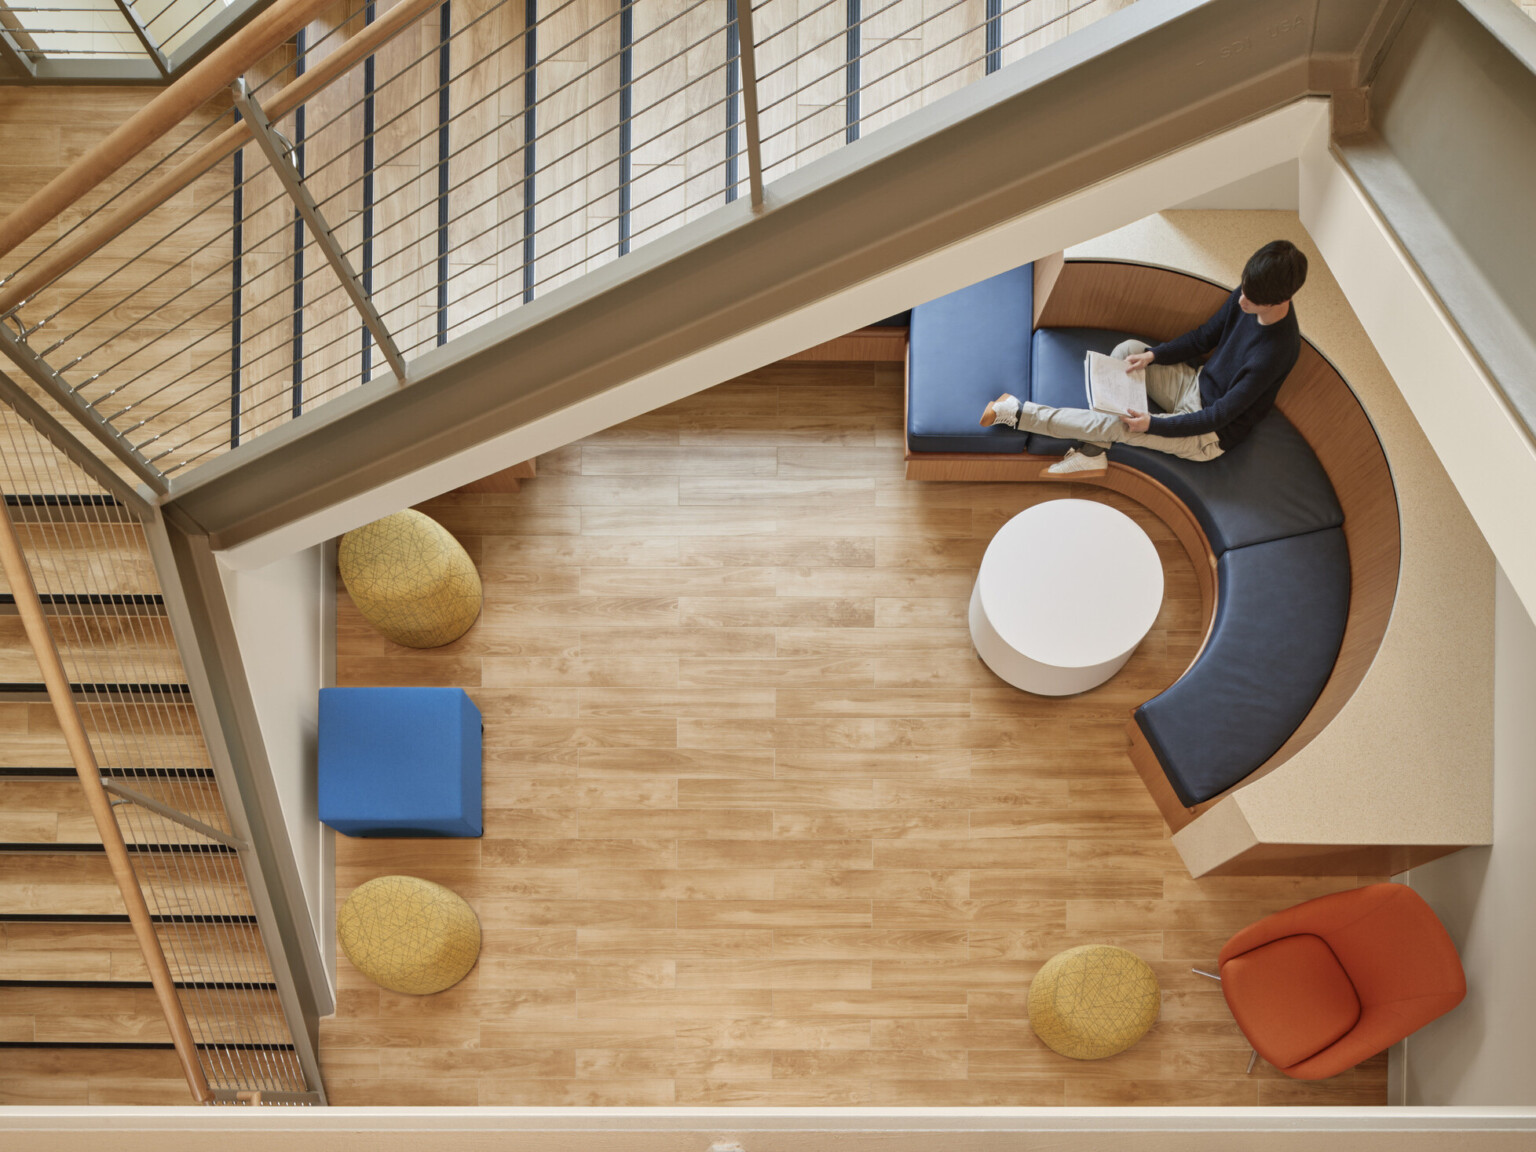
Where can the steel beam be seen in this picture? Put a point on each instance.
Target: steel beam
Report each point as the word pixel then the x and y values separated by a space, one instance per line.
pixel 267 139
pixel 749 119
pixel 200 620
pixel 134 796
pixel 63 439
pixel 45 377
pixel 14 56
pixel 141 30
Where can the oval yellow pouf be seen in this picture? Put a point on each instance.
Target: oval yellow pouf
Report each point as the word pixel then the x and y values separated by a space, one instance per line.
pixel 409 935
pixel 1093 1001
pixel 411 579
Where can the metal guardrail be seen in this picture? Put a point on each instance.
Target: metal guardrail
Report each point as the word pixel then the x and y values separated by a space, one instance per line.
pixel 111 41
pixel 365 196
pixel 76 562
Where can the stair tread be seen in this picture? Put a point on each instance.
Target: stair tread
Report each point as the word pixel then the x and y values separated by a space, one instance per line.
pixel 55 811
pixel 48 882
pixel 100 558
pixel 31 735
pixel 97 649
pixel 119 1015
pixel 108 950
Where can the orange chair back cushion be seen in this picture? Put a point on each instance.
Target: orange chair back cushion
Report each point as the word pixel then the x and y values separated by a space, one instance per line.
pixel 1292 998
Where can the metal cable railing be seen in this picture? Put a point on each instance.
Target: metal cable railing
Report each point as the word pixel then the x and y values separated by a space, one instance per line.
pixel 367 196
pixel 87 559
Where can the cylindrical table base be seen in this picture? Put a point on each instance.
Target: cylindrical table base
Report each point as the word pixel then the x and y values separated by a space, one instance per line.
pixel 1031 675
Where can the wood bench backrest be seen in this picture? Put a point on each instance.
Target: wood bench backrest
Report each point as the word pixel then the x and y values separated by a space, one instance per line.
pixel 1160 304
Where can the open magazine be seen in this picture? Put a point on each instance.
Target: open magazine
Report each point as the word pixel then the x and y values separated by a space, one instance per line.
pixel 1111 388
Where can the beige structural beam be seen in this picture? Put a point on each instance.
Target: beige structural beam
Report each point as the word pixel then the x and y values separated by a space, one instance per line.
pixel 30 609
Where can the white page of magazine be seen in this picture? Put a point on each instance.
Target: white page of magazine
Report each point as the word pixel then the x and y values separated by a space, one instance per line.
pixel 1111 388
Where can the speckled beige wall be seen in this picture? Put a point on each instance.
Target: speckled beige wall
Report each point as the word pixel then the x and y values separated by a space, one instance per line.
pixel 1408 760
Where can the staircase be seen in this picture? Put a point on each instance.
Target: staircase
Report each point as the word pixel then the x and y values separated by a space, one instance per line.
pixel 79 1017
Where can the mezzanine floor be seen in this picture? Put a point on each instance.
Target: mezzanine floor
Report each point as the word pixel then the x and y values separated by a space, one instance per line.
pixel 760 829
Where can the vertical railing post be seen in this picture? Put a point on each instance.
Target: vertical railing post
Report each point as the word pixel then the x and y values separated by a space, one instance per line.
pixel 749 121
pixel 35 621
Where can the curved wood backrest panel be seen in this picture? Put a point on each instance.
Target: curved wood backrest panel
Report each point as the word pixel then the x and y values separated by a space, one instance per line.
pixel 1160 304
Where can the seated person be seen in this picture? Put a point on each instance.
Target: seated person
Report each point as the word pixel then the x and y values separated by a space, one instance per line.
pixel 1209 410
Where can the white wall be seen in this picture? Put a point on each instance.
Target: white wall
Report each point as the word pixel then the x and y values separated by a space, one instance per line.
pixel 1485 448
pixel 284 616
pixel 1270 190
pixel 1484 1052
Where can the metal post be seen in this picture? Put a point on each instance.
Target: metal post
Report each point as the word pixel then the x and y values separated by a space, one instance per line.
pixel 46 378
pixel 15 54
pixel 134 796
pixel 749 102
pixel 267 139
pixel 141 30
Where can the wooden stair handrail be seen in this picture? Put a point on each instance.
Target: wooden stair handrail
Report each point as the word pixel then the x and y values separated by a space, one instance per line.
pixel 136 205
pixel 206 79
pixel 30 609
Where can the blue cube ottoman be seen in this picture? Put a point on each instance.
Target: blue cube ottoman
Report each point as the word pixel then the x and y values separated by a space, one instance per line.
pixel 400 761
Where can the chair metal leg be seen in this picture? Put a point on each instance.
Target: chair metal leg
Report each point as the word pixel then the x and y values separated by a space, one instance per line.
pixel 1207 975
pixel 1253 1056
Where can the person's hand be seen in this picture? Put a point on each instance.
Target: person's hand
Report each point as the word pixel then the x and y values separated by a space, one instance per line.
pixel 1137 421
pixel 1138 361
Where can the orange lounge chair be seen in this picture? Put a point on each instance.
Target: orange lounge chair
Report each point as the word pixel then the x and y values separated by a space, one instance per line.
pixel 1322 986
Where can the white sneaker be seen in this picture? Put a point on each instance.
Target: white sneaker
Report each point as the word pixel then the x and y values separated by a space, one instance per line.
pixel 1004 410
pixel 1080 463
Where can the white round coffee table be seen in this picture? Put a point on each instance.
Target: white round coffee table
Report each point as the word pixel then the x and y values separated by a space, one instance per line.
pixel 1066 591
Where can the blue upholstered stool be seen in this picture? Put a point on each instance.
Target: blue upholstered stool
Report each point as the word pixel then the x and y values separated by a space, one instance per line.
pixel 400 761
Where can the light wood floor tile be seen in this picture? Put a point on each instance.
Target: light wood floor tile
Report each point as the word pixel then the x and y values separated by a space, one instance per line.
pixel 760 827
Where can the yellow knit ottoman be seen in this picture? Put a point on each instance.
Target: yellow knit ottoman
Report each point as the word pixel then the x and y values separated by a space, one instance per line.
pixel 1093 1001
pixel 409 935
pixel 410 579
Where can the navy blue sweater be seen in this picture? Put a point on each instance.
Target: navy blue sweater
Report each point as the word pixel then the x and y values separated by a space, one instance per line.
pixel 1238 383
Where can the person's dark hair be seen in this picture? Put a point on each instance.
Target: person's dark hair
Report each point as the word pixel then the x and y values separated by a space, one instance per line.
pixel 1274 273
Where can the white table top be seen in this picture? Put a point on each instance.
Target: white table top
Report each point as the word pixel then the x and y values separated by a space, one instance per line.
pixel 1071 583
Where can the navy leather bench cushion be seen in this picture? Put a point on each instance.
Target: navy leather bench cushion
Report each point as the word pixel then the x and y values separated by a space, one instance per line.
pixel 1279 622
pixel 1056 377
pixel 1269 486
pixel 963 350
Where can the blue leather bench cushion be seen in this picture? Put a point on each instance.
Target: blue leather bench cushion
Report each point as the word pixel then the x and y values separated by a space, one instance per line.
pixel 1269 486
pixel 1056 377
pixel 1279 622
pixel 963 350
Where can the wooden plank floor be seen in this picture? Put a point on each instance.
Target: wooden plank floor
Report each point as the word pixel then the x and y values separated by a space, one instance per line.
pixel 759 828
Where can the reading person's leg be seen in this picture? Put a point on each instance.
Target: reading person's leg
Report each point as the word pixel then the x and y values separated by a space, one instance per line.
pixel 1172 387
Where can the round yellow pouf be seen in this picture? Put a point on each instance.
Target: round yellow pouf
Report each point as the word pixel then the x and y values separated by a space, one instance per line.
pixel 410 579
pixel 409 935
pixel 1093 1001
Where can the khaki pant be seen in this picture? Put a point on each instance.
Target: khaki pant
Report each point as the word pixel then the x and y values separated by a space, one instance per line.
pixel 1173 387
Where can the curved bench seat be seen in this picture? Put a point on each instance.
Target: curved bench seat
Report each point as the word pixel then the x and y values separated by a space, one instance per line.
pixel 1268 487
pixel 1265 516
pixel 1279 622
pixel 1270 518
